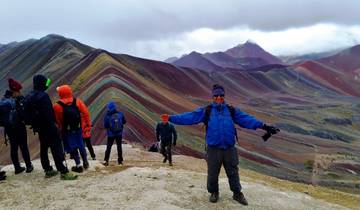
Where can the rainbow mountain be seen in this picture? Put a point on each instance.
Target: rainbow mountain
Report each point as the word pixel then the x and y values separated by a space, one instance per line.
pixel 316 103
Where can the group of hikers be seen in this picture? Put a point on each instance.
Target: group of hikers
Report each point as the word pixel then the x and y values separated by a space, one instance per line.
pixel 65 128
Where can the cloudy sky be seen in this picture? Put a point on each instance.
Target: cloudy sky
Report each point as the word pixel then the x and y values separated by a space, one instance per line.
pixel 159 29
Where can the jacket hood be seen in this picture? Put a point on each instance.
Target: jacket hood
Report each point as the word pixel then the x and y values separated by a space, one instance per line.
pixel 39 82
pixel 111 106
pixel 64 92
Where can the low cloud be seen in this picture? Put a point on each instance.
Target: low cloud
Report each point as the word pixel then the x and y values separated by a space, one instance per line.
pixel 293 41
pixel 161 28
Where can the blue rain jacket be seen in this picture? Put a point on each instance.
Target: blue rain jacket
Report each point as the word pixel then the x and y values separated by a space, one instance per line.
pixel 221 128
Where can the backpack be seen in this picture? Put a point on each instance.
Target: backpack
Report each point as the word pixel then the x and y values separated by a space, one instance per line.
pixel 8 113
pixel 71 116
pixel 155 147
pixel 30 112
pixel 208 112
pixel 116 124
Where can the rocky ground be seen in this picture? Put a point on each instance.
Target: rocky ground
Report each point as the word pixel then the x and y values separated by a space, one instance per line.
pixel 144 182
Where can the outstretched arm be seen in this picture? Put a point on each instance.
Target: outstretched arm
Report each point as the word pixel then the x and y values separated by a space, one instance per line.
pixel 188 118
pixel 58 115
pixel 85 115
pixel 247 121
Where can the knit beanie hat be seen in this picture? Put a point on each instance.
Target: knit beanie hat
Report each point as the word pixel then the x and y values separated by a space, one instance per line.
pixel 14 85
pixel 217 90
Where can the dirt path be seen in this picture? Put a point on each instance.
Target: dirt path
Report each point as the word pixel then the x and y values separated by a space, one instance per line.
pixel 143 182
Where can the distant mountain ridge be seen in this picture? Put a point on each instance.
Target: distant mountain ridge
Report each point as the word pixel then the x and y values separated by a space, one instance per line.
pixel 242 57
pixel 294 59
pixel 347 60
pixel 171 59
pixel 47 55
pixel 197 60
pixel 4 47
pixel 251 50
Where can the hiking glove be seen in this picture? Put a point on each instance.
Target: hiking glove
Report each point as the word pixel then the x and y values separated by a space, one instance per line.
pixel 87 131
pixel 270 129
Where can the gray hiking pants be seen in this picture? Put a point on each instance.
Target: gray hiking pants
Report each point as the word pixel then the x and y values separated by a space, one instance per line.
pixel 229 158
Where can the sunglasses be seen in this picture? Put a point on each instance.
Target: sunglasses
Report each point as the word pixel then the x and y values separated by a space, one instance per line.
pixel 221 95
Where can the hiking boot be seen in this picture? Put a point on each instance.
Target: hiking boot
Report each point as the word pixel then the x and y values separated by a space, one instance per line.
pixel 105 163
pixel 94 158
pixel 120 163
pixel 170 164
pixel 68 176
pixel 19 170
pixel 165 159
pixel 51 173
pixel 214 197
pixel 78 169
pixel 86 165
pixel 239 197
pixel 29 169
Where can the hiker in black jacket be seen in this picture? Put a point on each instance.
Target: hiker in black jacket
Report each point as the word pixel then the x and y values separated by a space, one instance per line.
pixel 41 114
pixel 166 134
pixel 16 131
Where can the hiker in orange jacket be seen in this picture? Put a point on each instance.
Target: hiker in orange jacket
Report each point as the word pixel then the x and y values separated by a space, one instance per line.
pixel 72 118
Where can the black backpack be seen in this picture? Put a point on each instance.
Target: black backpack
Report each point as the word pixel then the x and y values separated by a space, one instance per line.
pixel 115 123
pixel 8 113
pixel 208 112
pixel 155 147
pixel 71 116
pixel 30 112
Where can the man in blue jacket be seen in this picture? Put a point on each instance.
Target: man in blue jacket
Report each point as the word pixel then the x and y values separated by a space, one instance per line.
pixel 114 123
pixel 220 120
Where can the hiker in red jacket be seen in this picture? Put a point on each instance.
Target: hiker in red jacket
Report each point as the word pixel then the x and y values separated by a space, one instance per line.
pixel 72 117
